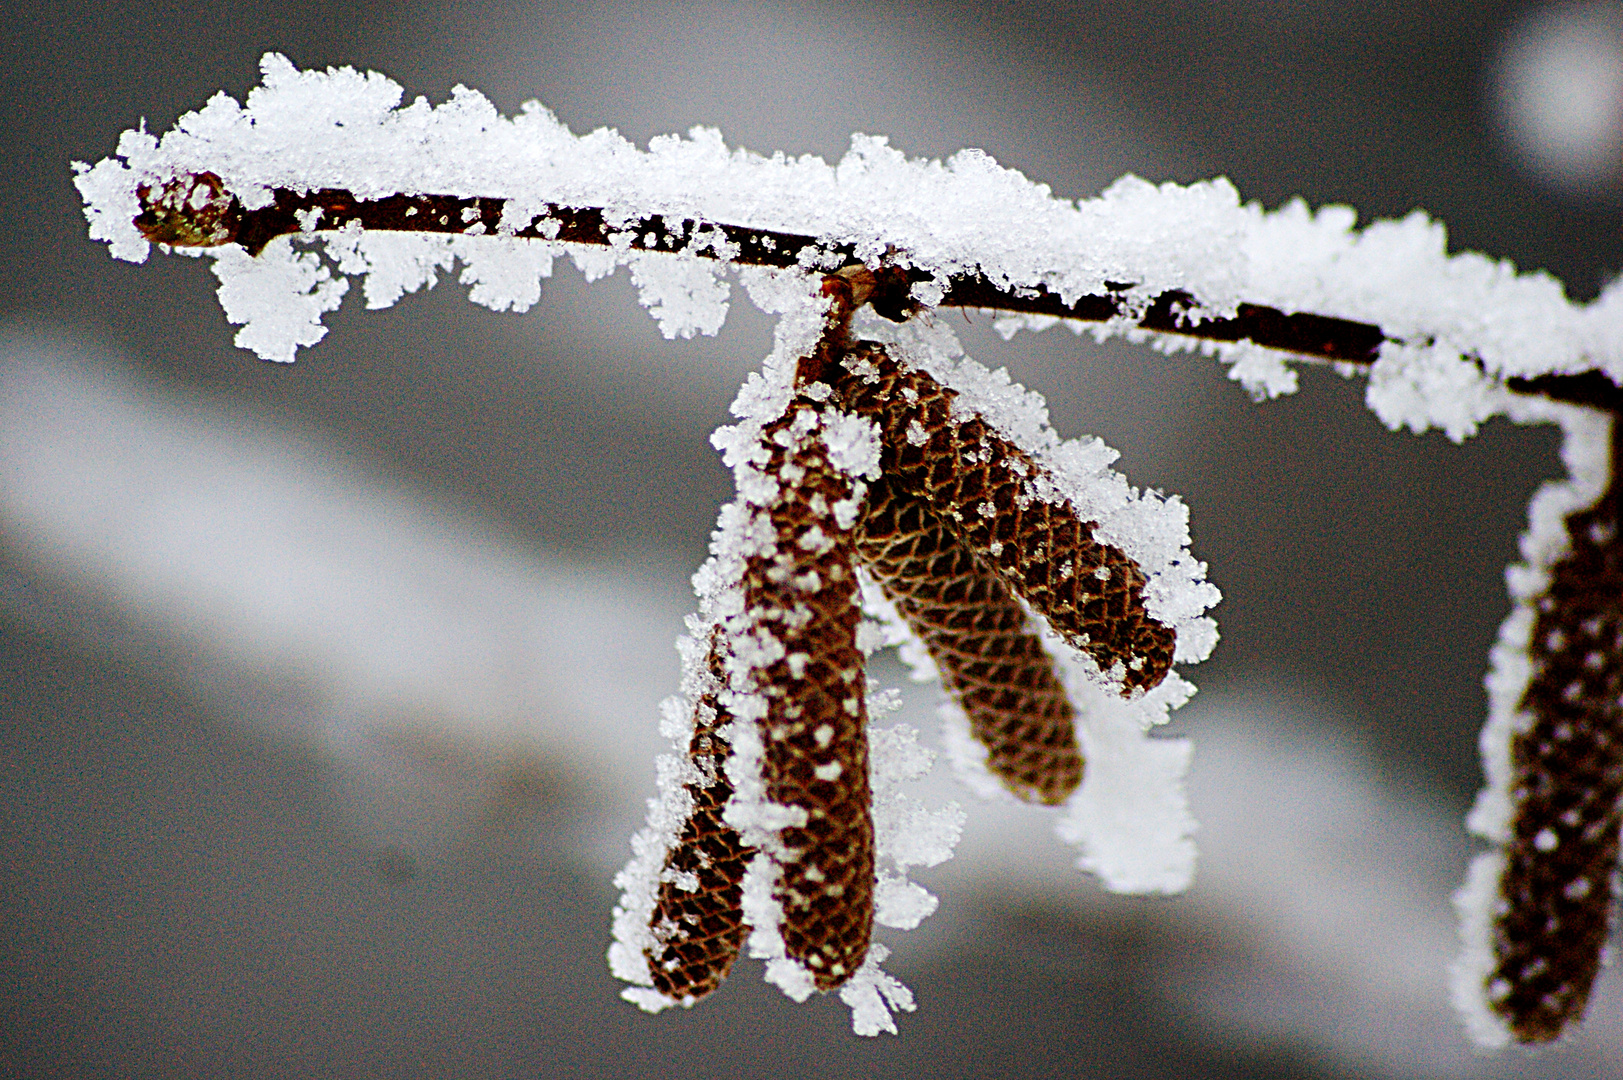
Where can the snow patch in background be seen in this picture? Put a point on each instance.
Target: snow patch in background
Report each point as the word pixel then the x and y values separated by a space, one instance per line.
pixel 1558 84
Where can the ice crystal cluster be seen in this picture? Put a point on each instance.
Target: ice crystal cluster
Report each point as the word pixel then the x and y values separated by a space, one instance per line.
pixel 892 492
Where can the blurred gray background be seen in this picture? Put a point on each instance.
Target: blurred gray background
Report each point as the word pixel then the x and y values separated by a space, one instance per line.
pixel 210 866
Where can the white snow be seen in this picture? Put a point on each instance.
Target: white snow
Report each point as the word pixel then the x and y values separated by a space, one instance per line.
pixel 1468 977
pixel 1457 324
pixel 874 996
pixel 1456 327
pixel 279 296
pixel 1131 816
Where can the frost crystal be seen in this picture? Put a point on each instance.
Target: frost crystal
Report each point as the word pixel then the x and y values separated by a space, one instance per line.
pixel 279 296
pixel 1049 597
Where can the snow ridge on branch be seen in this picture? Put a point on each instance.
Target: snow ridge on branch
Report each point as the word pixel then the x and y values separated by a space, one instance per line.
pixel 316 151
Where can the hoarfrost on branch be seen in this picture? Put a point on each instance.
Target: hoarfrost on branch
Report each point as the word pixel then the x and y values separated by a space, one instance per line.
pixel 324 176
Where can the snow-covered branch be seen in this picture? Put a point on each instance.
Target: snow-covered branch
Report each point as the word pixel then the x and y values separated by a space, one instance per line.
pixel 194 210
pixel 890 455
pixel 1182 262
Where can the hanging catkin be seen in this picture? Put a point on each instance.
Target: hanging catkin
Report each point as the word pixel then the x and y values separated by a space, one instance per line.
pixel 796 643
pixel 1561 863
pixel 698 920
pixel 986 492
pixel 976 632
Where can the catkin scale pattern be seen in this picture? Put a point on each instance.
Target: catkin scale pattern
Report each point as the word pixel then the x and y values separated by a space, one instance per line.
pixel 1561 863
pixel 801 594
pixel 698 919
pixel 984 490
pixel 975 631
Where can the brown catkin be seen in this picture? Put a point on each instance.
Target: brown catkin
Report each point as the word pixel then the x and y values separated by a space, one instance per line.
pixel 698 918
pixel 801 593
pixel 976 632
pixel 1561 864
pixel 985 491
